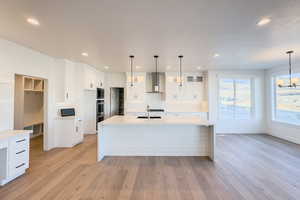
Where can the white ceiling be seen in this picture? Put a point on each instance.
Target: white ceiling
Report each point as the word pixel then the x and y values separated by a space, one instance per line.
pixel 110 30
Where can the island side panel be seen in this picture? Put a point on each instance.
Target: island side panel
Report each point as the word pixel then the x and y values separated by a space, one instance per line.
pixel 101 142
pixel 153 140
pixel 212 140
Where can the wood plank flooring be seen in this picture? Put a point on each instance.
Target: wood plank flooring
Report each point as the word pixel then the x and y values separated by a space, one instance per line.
pixel 247 167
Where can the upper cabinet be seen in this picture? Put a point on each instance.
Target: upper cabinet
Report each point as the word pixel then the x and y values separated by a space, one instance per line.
pixel 136 92
pixel 71 74
pixel 100 79
pixel 93 79
pixel 190 91
pixel 90 78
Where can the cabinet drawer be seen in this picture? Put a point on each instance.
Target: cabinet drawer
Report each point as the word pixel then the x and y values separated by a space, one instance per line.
pixel 20 168
pixel 21 157
pixel 22 143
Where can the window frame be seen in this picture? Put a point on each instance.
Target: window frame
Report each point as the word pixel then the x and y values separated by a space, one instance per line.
pixel 274 100
pixel 252 94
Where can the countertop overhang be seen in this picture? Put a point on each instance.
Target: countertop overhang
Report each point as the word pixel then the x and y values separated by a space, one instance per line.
pixel 132 120
pixel 11 133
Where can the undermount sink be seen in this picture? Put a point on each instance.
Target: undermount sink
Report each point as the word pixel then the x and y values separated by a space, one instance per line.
pixel 151 117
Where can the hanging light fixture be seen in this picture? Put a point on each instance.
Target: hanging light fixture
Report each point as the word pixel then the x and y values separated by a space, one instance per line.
pixel 131 57
pixel 180 69
pixel 156 87
pixel 293 82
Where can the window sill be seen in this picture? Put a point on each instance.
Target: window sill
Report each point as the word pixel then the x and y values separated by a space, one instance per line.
pixel 285 123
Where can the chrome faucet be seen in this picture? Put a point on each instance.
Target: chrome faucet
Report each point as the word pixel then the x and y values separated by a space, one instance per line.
pixel 148 111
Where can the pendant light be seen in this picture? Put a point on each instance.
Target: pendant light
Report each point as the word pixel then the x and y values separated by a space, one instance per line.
pixel 156 86
pixel 292 82
pixel 180 69
pixel 131 57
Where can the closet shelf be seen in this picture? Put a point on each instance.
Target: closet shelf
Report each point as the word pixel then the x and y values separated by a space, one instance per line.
pixel 26 124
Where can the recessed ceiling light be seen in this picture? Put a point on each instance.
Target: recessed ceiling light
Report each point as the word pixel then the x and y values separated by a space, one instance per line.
pixel 85 54
pixel 264 21
pixel 199 67
pixel 138 67
pixel 216 55
pixel 33 21
pixel 106 67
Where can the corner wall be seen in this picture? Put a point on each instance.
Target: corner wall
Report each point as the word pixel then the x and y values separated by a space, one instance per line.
pixel 16 59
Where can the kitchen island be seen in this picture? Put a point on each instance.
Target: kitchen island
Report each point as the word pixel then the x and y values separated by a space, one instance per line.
pixel 169 136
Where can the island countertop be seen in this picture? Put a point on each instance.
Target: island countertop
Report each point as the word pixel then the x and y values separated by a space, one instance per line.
pixel 12 133
pixel 132 120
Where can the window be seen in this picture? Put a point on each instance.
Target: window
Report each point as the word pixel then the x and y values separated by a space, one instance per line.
pixel 287 101
pixel 235 98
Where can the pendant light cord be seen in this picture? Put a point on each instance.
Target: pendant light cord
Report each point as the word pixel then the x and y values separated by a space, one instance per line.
pixel 131 69
pixel 180 69
pixel 290 70
pixel 156 68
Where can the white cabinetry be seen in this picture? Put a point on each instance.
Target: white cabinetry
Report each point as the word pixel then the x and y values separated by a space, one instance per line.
pixel 93 79
pixel 68 131
pixel 191 91
pixel 136 93
pixel 71 81
pixel 100 80
pixel 14 154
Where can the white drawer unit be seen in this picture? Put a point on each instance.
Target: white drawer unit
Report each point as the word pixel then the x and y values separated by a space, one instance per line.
pixel 16 154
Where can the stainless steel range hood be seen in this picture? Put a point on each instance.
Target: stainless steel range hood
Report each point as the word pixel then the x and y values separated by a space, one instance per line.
pixel 155 82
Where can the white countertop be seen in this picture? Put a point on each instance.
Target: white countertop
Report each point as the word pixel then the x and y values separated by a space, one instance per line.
pixel 11 133
pixel 133 120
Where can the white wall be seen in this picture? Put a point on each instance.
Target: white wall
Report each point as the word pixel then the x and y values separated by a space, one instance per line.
pixel 279 129
pixel 255 125
pixel 16 59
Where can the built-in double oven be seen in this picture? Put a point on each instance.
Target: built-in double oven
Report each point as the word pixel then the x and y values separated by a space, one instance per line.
pixel 100 106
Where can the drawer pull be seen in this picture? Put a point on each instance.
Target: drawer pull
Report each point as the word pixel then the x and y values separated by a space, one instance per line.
pixel 20 165
pixel 21 152
pixel 18 141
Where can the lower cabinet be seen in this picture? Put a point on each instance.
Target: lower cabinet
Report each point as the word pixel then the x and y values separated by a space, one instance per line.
pixel 68 131
pixel 18 157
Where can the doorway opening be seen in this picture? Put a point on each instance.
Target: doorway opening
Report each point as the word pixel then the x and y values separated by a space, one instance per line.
pixel 30 108
pixel 116 101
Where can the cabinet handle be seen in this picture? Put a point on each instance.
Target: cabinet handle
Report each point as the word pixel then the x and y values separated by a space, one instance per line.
pixel 18 141
pixel 20 165
pixel 21 152
pixel 67 96
pixel 77 129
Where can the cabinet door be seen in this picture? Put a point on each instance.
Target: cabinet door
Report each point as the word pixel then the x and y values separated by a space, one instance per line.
pixel 100 80
pixel 6 105
pixel 136 93
pixel 90 76
pixel 70 80
pixel 78 134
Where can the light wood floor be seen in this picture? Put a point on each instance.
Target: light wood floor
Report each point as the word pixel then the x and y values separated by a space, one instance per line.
pixel 247 167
